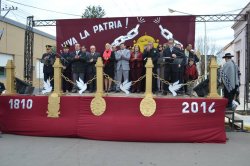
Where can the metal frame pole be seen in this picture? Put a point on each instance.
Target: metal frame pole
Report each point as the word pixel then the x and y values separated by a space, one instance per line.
pixel 205 49
pixel 247 63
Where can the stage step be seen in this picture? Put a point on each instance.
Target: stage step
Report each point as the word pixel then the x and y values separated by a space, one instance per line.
pixel 234 120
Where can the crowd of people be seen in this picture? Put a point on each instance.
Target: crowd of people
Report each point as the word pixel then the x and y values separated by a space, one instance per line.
pixel 171 62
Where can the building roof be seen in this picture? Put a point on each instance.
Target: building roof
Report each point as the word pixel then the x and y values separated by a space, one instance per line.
pixel 22 26
pixel 243 11
pixel 225 47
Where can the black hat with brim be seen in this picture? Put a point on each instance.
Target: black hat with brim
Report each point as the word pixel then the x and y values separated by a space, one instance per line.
pixel 228 55
pixel 48 46
pixel 66 46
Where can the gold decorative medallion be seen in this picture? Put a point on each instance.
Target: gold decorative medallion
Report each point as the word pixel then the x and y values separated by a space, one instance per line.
pixel 147 106
pixel 54 106
pixel 98 105
pixel 143 41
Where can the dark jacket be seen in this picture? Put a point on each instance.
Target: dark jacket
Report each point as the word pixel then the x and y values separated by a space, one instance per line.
pixel 153 54
pixel 79 65
pixel 193 56
pixel 91 65
pixel 48 60
pixel 65 59
pixel 110 63
pixel 160 61
pixel 180 58
pixel 2 87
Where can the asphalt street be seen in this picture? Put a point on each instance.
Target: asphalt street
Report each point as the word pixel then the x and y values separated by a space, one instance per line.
pixel 47 151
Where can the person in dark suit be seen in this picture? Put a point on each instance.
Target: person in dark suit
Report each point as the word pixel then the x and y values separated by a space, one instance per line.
pixel 160 67
pixel 190 54
pixel 2 88
pixel 174 64
pixel 48 60
pixel 79 65
pixel 65 58
pixel 151 52
pixel 91 69
pixel 108 58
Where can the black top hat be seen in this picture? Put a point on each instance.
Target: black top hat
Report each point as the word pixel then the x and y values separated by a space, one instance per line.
pixel 48 46
pixel 66 46
pixel 228 55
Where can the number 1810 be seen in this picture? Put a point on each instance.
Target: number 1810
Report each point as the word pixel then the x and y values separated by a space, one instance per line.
pixel 20 103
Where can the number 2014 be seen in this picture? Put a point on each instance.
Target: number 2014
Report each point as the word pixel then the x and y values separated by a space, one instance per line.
pixel 20 103
pixel 195 108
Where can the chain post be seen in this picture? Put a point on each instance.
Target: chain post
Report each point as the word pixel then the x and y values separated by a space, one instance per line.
pixel 99 77
pixel 10 77
pixel 57 76
pixel 213 79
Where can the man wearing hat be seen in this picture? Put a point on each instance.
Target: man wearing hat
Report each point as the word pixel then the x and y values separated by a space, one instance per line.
pixel 48 60
pixel 230 78
pixel 66 62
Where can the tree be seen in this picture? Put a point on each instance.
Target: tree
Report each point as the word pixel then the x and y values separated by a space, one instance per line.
pixel 206 47
pixel 93 12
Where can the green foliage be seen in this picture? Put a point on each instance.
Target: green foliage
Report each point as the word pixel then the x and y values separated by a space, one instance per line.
pixel 93 12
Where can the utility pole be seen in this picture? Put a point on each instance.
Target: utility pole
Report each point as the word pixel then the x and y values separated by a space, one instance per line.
pixel 6 8
pixel 0 7
pixel 247 63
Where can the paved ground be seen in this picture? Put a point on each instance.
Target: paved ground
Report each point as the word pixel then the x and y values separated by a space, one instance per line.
pixel 43 151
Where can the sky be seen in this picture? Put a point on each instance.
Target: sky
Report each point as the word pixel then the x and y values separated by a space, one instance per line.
pixel 220 33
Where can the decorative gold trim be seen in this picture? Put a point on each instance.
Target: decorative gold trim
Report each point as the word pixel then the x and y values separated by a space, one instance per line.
pixel 148 105
pixel 213 93
pixel 58 76
pixel 143 41
pixel 98 104
pixel 10 78
pixel 53 106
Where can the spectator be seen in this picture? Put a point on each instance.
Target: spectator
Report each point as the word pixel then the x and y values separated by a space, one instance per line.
pixel 191 74
pixel 122 56
pixel 230 78
pixel 79 65
pixel 2 88
pixel 91 69
pixel 160 67
pixel 48 60
pixel 66 62
pixel 174 59
pixel 189 53
pixel 136 66
pixel 108 57
pixel 151 52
